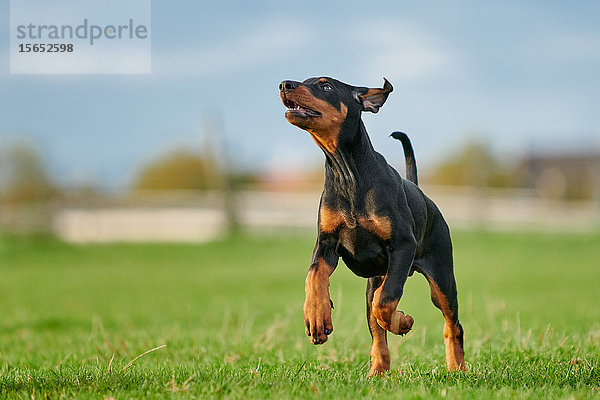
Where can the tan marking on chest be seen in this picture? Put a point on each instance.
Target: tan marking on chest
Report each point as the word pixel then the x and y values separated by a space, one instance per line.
pixel 381 226
pixel 330 220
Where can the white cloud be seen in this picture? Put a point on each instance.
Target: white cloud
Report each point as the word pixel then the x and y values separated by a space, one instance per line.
pixel 402 51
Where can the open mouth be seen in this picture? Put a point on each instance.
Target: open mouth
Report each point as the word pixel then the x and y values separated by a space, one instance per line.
pixel 296 108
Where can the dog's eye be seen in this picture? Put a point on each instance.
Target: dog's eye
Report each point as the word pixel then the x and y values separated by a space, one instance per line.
pixel 326 87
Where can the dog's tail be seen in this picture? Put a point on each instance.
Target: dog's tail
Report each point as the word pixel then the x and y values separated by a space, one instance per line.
pixel 409 155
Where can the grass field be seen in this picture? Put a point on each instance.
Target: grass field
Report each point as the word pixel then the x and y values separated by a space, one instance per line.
pixel 230 315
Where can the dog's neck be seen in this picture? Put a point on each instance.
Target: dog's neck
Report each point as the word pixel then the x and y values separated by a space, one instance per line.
pixel 344 167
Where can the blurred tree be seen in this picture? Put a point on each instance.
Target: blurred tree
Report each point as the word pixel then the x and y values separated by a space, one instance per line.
pixel 23 176
pixel 473 165
pixel 179 170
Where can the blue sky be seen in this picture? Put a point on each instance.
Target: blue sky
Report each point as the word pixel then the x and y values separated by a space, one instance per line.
pixel 522 75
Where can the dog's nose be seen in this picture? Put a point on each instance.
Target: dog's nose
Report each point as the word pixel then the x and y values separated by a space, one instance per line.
pixel 288 85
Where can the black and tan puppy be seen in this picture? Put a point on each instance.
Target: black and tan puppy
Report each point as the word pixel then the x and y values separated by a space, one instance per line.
pixel 382 226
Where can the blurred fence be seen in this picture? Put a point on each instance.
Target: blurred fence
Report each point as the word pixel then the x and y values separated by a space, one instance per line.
pixel 194 217
pixel 189 218
pixel 513 209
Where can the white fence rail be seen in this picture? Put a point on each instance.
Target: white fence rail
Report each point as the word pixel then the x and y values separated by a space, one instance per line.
pixel 275 212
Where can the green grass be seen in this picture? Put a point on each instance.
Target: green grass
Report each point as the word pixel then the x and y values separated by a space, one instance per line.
pixel 230 313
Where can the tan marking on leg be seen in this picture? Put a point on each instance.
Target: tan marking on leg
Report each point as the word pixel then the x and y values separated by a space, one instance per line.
pixel 388 317
pixel 380 354
pixel 317 305
pixel 455 355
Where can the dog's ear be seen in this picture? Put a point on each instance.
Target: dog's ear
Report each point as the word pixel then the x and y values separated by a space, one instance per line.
pixel 372 99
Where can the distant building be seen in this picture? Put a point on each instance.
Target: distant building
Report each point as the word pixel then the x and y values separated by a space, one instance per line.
pixel 570 176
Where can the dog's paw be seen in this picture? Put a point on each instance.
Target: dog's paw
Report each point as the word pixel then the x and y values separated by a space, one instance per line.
pixel 317 318
pixel 380 364
pixel 399 324
pixel 378 370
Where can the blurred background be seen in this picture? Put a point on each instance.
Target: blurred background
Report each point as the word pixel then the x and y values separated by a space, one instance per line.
pixel 500 100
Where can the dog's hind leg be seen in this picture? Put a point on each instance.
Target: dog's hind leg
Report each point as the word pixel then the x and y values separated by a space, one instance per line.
pixel 387 296
pixel 439 271
pixel 380 354
pixel 444 298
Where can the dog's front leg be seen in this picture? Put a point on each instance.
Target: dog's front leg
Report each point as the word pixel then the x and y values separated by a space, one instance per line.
pixel 318 304
pixel 388 295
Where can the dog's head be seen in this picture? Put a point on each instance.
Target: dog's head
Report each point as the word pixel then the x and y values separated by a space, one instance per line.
pixel 322 106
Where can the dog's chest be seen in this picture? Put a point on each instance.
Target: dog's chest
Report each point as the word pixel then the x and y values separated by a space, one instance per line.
pixel 363 251
pixel 361 238
pixel 349 225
